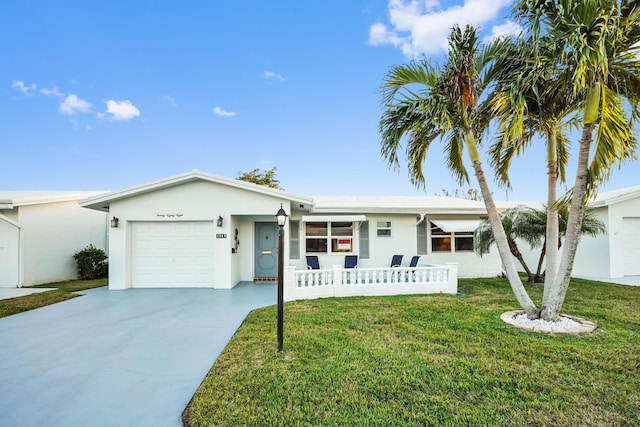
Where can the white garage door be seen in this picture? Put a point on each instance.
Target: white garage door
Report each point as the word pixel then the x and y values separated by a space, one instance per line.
pixel 631 233
pixel 172 254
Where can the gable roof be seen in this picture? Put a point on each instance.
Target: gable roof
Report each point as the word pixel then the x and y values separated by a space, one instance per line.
pixel 11 199
pixel 615 196
pixel 102 202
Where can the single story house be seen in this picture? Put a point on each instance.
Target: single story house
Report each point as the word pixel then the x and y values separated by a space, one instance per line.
pixel 203 230
pixel 39 233
pixel 615 253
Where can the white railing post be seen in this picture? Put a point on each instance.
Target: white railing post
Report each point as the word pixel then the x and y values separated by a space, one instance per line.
pixel 290 283
pixel 452 283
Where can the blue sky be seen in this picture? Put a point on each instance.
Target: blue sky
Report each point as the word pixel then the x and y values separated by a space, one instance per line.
pixel 105 95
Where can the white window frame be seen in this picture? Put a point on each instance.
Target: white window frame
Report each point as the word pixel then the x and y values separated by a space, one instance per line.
pixel 452 236
pixel 387 226
pixel 330 237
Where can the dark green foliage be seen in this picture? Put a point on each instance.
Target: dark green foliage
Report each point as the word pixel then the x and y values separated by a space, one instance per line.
pixel 256 176
pixel 92 263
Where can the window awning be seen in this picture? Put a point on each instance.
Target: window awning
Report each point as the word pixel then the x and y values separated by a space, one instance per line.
pixel 330 218
pixel 457 225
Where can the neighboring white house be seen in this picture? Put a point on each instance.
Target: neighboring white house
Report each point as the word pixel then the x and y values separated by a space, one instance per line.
pixel 39 233
pixel 611 255
pixel 202 230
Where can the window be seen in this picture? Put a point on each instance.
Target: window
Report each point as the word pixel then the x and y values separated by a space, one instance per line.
pixel 383 228
pixel 443 241
pixel 320 236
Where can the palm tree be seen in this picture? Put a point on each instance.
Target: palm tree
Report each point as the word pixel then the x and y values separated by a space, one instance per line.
pixel 591 46
pixel 527 224
pixel 591 226
pixel 519 223
pixel 446 108
pixel 525 107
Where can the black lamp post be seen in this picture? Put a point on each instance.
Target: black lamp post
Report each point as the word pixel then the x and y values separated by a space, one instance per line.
pixel 282 219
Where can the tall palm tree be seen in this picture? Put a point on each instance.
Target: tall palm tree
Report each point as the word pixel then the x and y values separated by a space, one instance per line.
pixel 446 108
pixel 524 107
pixel 592 47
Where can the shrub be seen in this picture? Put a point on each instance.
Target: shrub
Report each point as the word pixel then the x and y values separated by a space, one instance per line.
pixel 92 263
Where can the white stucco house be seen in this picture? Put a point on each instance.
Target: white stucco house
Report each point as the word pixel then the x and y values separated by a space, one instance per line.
pixel 39 233
pixel 203 230
pixel 617 252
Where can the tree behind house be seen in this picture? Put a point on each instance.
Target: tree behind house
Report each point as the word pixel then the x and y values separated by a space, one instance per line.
pixel 257 176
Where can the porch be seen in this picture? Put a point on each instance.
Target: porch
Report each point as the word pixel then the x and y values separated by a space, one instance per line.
pixel 341 282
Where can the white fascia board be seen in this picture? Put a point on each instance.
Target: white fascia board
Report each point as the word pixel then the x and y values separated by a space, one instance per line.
pixel 102 202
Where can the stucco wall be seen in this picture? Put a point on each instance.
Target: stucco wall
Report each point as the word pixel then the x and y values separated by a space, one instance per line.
pixel 51 234
pixel 593 257
pixel 404 241
pixel 9 254
pixel 195 201
pixel 617 212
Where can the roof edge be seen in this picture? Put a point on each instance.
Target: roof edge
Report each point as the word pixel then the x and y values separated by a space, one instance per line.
pixel 98 202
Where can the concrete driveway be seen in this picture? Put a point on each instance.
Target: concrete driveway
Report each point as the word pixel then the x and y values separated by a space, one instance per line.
pixel 117 358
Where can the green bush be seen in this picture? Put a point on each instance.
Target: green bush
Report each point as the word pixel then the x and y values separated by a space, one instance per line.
pixel 92 263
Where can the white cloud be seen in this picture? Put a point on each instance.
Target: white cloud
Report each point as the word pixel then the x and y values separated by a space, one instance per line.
pixel 169 100
pixel 120 110
pixel 509 28
pixel 421 27
pixel 271 75
pixel 26 89
pixel 73 105
pixel 51 92
pixel 222 113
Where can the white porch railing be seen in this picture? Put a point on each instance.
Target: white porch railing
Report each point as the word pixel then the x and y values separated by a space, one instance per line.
pixel 340 282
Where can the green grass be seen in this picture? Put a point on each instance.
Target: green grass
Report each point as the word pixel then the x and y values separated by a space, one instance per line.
pixel 63 292
pixel 429 360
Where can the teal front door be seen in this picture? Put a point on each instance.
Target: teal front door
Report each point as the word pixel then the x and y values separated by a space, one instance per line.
pixel 266 255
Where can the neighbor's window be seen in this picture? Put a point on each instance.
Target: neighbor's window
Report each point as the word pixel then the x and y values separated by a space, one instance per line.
pixel 383 228
pixel 443 241
pixel 322 236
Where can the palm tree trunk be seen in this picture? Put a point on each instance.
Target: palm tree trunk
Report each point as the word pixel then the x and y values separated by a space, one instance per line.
pixel 554 298
pixel 513 247
pixel 498 232
pixel 538 275
pixel 551 250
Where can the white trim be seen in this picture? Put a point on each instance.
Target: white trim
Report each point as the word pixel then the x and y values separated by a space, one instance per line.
pixel 457 225
pixel 330 218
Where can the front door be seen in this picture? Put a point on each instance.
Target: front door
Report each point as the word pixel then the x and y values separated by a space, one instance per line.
pixel 266 249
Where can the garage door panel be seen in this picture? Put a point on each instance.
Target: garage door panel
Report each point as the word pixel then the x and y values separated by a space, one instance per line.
pixel 172 254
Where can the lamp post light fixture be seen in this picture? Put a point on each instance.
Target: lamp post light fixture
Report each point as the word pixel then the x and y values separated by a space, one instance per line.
pixel 281 216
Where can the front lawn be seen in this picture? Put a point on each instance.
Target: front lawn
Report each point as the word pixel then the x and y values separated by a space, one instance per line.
pixel 429 360
pixel 63 292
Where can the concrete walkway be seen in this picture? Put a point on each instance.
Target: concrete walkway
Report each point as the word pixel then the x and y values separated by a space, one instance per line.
pixel 117 358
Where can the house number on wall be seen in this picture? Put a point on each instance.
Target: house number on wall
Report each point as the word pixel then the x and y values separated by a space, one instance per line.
pixel 176 215
pixel 221 236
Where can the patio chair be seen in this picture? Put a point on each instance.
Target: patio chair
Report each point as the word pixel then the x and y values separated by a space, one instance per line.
pixel 396 260
pixel 351 261
pixel 313 263
pixel 414 261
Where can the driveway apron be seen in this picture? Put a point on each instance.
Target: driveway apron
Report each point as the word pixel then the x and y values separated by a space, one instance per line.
pixel 117 358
